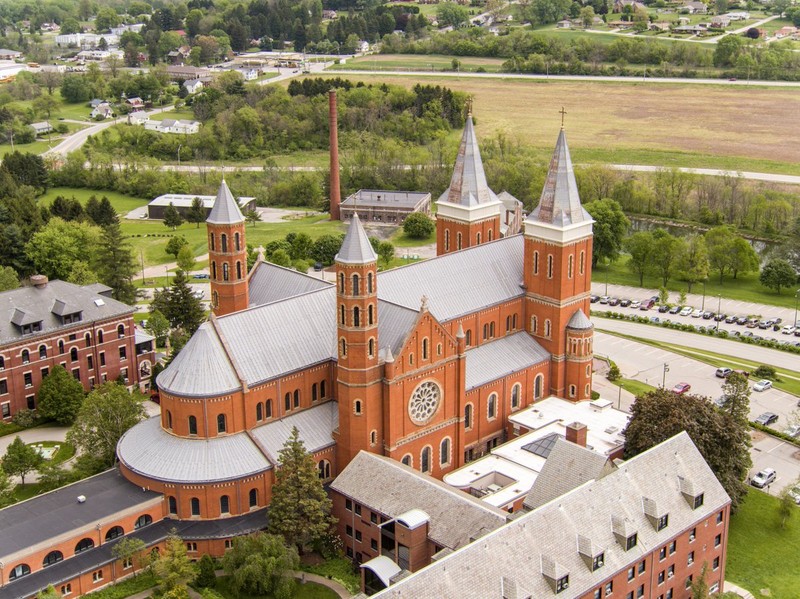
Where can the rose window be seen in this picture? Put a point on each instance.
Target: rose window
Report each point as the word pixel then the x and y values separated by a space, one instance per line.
pixel 424 402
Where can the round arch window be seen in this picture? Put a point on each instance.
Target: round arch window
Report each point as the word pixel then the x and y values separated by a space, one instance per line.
pixel 424 401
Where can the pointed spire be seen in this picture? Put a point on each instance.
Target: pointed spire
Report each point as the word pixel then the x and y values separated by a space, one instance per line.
pixel 560 203
pixel 460 333
pixel 225 211
pixel 356 248
pixel 389 357
pixel 468 185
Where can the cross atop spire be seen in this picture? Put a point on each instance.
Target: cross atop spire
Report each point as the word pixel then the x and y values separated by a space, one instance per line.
pixel 563 114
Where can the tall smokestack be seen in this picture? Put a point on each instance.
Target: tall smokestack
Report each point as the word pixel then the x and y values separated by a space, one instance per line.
pixel 335 189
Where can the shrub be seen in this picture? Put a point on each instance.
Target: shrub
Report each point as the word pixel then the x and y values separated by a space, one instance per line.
pixel 765 372
pixel 418 226
pixel 613 373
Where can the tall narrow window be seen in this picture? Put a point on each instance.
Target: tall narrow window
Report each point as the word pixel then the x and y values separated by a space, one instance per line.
pixel 425 460
pixel 444 452
pixel 549 266
pixel 121 331
pixel 356 317
pixel 314 392
pixel 447 240
pixel 468 416
pixel 221 423
pixel 322 389
pixel 570 261
pixel 238 270
pixel 356 285
pixel 357 406
pixel 547 327
pixel 173 505
pixel 371 348
pixel 297 398
pixel 253 497
pixel 42 352
pixel 458 241
pixel 195 502
pixel 425 348
pixel 341 282
pixel 169 420
pixel 536 263
pixel 287 402
pixel 468 338
pixel 344 348
pixel 73 354
pixel 491 410
pixel 490 234
pixel 269 408
pixel 214 271
pixel 371 315
pixel 213 242
pixel 224 504
pixel 342 314
pixel 478 239
pixel 370 283
pixel 237 241
pixel 534 324
pixel 226 275
pixel 582 262
pixel 538 384
pixel 259 412
pixel 516 392
pixel 192 425
pixel 224 240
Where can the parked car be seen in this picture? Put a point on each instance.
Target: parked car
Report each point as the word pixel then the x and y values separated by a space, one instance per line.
pixel 604 299
pixel 674 309
pixel 723 372
pixel 663 308
pixel 752 323
pixel 593 299
pixel 614 301
pixel 720 317
pixel 762 385
pixel 720 401
pixel 766 477
pixel 681 388
pixel 686 311
pixel 697 313
pixel 767 418
pixel 797 332
pixel 200 275
pixel 742 320
pixel 788 329
pixel 794 493
pixel 625 302
pixel 708 315
pixel 794 430
pixel 731 319
pixel 765 324
pixel 647 304
pixel 636 304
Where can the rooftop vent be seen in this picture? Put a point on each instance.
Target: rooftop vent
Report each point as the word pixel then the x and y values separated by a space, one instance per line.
pixel 39 281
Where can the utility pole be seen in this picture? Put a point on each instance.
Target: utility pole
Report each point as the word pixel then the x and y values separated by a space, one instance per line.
pixel 664 378
pixel 719 307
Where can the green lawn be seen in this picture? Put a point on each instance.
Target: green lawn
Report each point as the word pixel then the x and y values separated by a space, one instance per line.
pixel 745 287
pixel 401 240
pixel 122 203
pixel 761 554
pixel 337 568
pixel 427 62
pixel 183 113
pixel 309 590
pixel 26 491
pixel 65 451
pixel 633 386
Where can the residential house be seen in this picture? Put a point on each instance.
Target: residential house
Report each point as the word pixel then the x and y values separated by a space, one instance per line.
pixel 635 5
pixel 138 117
pixel 104 110
pixel 694 7
pixel 564 24
pixel 193 85
pixel 720 22
pixel 738 16
pixel 248 73
pixel 135 102
pixel 785 32
pixel 328 14
pixel 184 72
pixel 42 128
pixel 173 126
pixel 6 54
pixel 178 56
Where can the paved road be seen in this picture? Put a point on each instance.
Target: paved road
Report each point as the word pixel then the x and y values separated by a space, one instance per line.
pixel 771 177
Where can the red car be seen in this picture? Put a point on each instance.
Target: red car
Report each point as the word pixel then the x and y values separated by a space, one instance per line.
pixel 681 388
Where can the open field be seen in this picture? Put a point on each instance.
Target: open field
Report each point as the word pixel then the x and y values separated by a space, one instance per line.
pixel 638 122
pixel 122 203
pixel 416 62
pixel 760 552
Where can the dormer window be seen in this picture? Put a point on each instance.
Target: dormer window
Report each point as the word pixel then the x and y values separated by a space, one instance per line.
pixel 562 584
pixel 658 519
pixel 693 496
pixel 556 575
pixel 598 561
pixel 631 541
pixel 592 555
pixel 663 522
pixel 698 501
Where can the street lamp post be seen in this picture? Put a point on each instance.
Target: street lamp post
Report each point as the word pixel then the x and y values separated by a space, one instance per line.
pixel 664 377
pixel 796 297
pixel 703 306
pixel 619 397
pixel 719 307
pixel 606 293
pixel 179 155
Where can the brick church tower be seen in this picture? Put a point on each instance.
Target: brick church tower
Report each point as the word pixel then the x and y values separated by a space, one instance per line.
pixel 359 375
pixel 227 254
pixel 468 212
pixel 557 277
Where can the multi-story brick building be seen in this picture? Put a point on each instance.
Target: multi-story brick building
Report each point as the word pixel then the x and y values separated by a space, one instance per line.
pixel 83 329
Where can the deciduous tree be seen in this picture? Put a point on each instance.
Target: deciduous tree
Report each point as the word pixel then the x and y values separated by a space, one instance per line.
pixel 610 228
pixel 20 459
pixel 60 396
pixel 6 490
pixel 185 258
pixel 777 274
pixel 693 262
pixel 418 225
pixel 130 548
pixel 261 565
pixel 386 252
pixel 666 251
pixel 173 567
pixel 300 510
pixel 59 244
pixel 175 244
pixel 640 248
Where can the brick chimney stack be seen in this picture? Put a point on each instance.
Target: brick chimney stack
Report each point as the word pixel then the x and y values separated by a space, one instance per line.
pixel 576 433
pixel 335 190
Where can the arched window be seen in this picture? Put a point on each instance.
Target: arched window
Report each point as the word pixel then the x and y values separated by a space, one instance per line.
pixel 508 323
pixel 215 298
pixel 357 406
pixel 344 348
pixel 570 262
pixel 490 234
pixel 549 266
pixel 538 383
pixel 237 242
pixel 582 262
pixel 572 390
pixel 341 282
pixel 73 354
pixel 324 469
pixel 212 242
pixel 322 389
pixel 425 348
pixel 269 408
pixel 492 406
pixel 356 285
pixel 121 331
pixel 373 437
pixel 425 459
pixel 486 331
pixel 468 416
pixel 88 338
pixel 458 241
pixel 514 322
pixel 371 348
pixel 341 314
pixel 534 324
pixel 536 263
pixel 173 505
pixel 224 505
pixel 226 274
pixel 356 317
pixel 259 412
pixel 296 398
pixel 26 356
pixel 52 558
pixel 238 270
pixel 195 504
pixel 444 452
pixel 547 327
pixel 221 423
pixel 468 338
pixel 370 283
pixel 61 342
pixel 516 392
pixel 407 459
pixel 114 532
pixel 169 420
pixel 371 315
pixel 314 392
pixel 192 425
pixel 84 545
pixel 491 330
pixel 586 391
pixel 287 402
pixel 253 497
pixel 478 239
pixel 142 521
pixel 224 242
pixel 447 240
pixel 42 352
pixel 214 270
pixel 19 571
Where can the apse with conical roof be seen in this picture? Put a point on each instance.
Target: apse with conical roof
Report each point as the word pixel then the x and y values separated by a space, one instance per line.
pixel 227 254
pixel 468 212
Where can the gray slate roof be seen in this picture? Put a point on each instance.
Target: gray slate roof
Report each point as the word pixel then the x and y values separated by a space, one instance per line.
pixel 33 305
pixel 44 517
pixel 567 467
pixel 560 203
pixel 501 357
pixel 315 425
pixel 394 324
pixel 458 283
pixel 226 210
pixel 579 321
pixel 153 452
pixel 356 248
pixel 468 185
pixel 271 283
pixel 516 551
pixel 391 488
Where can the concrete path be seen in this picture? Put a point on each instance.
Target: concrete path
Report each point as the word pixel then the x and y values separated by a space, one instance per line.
pixel 331 584
pixel 732 588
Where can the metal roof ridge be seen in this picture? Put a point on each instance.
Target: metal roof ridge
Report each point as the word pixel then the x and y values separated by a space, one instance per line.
pixel 278 301
pixel 228 353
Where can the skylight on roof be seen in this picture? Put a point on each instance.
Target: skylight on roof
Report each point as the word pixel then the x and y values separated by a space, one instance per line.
pixel 542 447
pixel 98 302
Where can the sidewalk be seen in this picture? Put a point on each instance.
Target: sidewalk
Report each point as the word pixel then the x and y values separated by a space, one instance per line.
pixel 732 588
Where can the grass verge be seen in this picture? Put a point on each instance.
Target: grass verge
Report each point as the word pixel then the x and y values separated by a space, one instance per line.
pixel 633 386
pixel 760 551
pixel 339 569
pixel 309 590
pixel 130 586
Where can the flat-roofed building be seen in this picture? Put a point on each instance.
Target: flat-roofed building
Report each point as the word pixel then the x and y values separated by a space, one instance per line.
pixel 387 207
pixel 183 202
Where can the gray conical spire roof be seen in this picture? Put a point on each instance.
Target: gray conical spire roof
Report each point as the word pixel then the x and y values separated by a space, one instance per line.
pixel 560 203
pixel 579 321
pixel 356 248
pixel 468 185
pixel 225 211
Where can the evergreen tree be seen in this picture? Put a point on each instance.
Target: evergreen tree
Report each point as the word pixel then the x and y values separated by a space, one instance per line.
pixel 12 249
pixel 9 279
pixel 172 218
pixel 116 265
pixel 101 211
pixel 66 208
pixel 197 212
pixel 736 393
pixel 20 459
pixel 60 396
pixel 206 576
pixel 300 510
pixel 252 217
pixel 700 584
pixel 183 309
pixel 173 567
pixel 26 169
